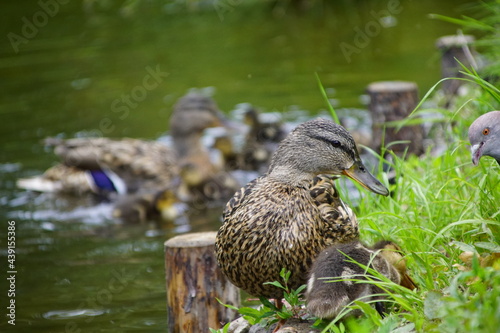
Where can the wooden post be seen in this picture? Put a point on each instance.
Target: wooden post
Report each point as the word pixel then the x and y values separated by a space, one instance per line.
pixel 194 281
pixel 453 48
pixel 392 101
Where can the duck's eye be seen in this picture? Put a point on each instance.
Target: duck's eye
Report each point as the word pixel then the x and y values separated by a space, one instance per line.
pixel 486 131
pixel 336 143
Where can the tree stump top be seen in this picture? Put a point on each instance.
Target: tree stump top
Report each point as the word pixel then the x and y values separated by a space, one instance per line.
pixel 195 239
pixel 391 86
pixel 451 41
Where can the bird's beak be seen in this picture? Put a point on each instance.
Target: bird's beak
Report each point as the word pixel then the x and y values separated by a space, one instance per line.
pixel 476 151
pixel 359 173
pixel 407 281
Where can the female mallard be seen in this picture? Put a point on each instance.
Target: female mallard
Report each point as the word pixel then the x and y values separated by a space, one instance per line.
pixel 326 298
pixel 286 217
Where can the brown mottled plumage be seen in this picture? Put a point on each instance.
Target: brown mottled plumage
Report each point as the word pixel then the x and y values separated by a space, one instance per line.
pixel 286 217
pixel 327 296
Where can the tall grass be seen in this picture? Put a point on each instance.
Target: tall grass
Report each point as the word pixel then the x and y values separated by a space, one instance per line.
pixel 441 206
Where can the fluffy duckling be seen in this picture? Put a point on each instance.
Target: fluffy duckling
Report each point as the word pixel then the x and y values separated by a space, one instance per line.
pixel 198 187
pixel 484 137
pixel 286 217
pixel 326 298
pixel 143 207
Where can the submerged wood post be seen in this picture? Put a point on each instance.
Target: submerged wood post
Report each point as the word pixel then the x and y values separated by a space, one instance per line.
pixel 194 282
pixel 392 101
pixel 453 48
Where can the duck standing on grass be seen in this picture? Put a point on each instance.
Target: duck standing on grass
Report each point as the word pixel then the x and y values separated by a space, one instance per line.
pixel 484 137
pixel 286 217
pixel 326 298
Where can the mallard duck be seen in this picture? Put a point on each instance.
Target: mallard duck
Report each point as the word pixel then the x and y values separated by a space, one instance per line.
pixel 286 217
pixel 132 165
pixel 484 137
pixel 330 287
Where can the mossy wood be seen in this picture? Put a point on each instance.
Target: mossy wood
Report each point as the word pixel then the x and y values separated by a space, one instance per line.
pixel 194 283
pixel 392 101
pixel 453 48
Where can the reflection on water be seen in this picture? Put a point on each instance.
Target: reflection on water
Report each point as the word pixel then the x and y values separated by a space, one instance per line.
pixel 115 70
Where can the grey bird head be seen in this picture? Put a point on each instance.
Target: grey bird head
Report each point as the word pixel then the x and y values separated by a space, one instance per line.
pixel 484 137
pixel 321 146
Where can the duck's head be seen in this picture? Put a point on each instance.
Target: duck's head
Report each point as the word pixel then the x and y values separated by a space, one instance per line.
pixel 484 137
pixel 321 146
pixel 191 174
pixel 251 116
pixel 224 145
pixel 391 252
pixel 193 114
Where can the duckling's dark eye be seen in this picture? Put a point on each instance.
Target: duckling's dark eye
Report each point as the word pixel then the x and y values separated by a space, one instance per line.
pixel 486 131
pixel 336 143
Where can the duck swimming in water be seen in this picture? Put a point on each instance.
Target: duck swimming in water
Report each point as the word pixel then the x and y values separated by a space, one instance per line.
pixel 286 217
pixel 132 165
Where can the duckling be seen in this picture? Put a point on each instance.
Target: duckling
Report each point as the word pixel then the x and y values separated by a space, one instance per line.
pixel 484 137
pixel 198 187
pixel 229 156
pixel 260 142
pixel 141 166
pixel 326 298
pixel 284 218
pixel 143 207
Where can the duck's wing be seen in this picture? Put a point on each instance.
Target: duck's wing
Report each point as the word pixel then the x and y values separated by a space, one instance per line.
pixel 337 215
pixel 238 198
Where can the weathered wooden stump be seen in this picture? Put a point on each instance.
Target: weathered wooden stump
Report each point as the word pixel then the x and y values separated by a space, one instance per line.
pixel 392 101
pixel 194 282
pixel 453 48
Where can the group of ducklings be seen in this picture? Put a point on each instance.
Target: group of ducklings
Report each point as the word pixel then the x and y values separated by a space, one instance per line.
pixel 150 178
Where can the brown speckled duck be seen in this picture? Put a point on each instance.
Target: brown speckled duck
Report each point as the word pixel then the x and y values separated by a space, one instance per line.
pixel 286 217
pixel 330 287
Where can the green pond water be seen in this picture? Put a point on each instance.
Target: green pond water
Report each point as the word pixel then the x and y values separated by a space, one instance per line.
pixel 115 68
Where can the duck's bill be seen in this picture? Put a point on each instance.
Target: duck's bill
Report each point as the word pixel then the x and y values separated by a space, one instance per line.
pixel 359 174
pixel 407 281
